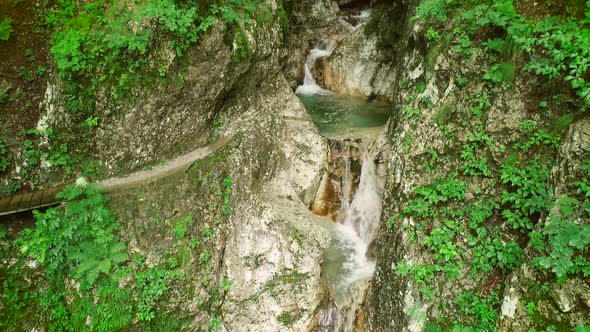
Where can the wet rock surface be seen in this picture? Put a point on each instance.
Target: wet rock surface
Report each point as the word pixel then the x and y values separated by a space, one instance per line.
pixel 171 119
pixel 271 245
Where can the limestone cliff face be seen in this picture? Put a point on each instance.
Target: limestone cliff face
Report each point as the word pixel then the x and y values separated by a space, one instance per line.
pixel 161 121
pixel 567 304
pixel 390 58
pixel 260 236
pixel 270 246
pixel 367 60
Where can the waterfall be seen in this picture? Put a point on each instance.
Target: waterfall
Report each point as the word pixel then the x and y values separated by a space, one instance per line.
pixel 347 269
pixel 360 218
pixel 310 87
pixel 364 14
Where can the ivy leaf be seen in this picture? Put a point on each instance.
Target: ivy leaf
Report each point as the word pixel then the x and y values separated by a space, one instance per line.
pixel 581 237
pixel 561 267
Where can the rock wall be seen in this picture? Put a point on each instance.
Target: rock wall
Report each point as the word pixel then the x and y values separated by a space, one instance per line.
pixel 270 246
pixel 567 304
pixel 309 23
pixel 264 239
pixel 166 119
pixel 396 303
pixel 366 62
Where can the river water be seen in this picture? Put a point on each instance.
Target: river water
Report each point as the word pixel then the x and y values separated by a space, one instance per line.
pixel 346 268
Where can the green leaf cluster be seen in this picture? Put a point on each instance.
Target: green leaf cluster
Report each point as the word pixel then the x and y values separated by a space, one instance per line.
pixel 568 232
pixel 4 157
pixel 477 310
pixel 471 154
pixel 527 193
pixel 558 46
pixel 80 235
pixel 5 29
pixel 78 242
pixel 152 285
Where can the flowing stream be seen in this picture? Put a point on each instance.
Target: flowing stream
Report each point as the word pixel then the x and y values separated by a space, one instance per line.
pixel 309 86
pixel 344 116
pixel 346 268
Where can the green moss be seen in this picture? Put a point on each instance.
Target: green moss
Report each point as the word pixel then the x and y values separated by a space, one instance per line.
pixel 286 278
pixel 563 122
pixel 286 318
pixel 444 114
pixel 431 57
pixel 283 18
pixel 5 29
pixel 508 71
pixel 182 226
pixel 242 50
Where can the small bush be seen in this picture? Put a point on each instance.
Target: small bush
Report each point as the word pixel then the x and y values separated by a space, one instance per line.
pixel 5 29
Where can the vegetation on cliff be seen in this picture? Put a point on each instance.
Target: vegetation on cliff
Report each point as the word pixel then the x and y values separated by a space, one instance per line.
pixel 104 52
pixel 501 201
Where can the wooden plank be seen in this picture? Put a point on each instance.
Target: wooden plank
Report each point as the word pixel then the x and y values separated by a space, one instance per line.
pixel 25 202
pixel 4 201
pixel 36 199
pixel 48 196
pixel 29 201
pixel 14 203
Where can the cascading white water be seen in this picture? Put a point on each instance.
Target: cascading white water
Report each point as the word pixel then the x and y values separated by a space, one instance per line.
pixel 359 223
pixel 347 268
pixel 364 14
pixel 310 87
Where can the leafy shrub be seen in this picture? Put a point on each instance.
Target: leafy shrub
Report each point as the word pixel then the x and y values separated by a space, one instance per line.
pixel 436 10
pixel 421 273
pixel 5 29
pixel 492 252
pixel 558 46
pixel 152 285
pixel 477 310
pixel 527 194
pixel 4 157
pixel 427 197
pixel 96 45
pixel 478 213
pixel 566 236
pixel 11 186
pixel 180 228
pixel 77 241
pixel 80 234
pixel 432 35
pixel 565 46
pixel 474 165
pixel 440 241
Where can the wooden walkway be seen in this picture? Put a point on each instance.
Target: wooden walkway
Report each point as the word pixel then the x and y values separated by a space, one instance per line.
pixel 43 198
pixel 29 201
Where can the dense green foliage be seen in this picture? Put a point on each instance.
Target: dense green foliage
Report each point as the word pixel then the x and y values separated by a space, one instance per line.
pixel 558 47
pixel 4 157
pixel 5 29
pixel 566 237
pixel 109 52
pixel 488 215
pixel 76 242
pixel 98 45
pixel 82 278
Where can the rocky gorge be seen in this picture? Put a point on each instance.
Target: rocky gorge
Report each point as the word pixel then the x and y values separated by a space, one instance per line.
pixel 370 166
